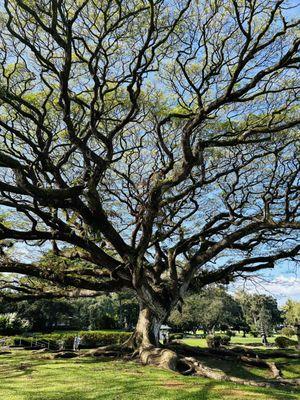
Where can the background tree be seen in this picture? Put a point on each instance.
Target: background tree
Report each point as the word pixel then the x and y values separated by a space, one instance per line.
pixel 46 315
pixel 260 312
pixel 154 144
pixel 212 308
pixel 292 316
pixel 107 312
pixel 102 312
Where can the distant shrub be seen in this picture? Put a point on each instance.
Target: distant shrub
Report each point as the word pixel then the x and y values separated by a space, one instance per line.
pixel 283 342
pixel 7 341
pixel 230 333
pixel 11 324
pixel 215 341
pixel 175 336
pixel 89 339
pixel 254 333
pixel 288 331
pixel 225 340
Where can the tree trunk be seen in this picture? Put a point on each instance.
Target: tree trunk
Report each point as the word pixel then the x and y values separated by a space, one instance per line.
pixel 147 329
pixel 145 340
pixel 263 335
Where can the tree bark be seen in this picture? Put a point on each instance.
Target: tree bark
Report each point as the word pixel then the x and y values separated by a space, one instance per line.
pixel 145 341
pixel 147 329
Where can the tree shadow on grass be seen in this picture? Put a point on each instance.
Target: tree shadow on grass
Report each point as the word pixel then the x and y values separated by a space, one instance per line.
pixel 237 369
pixel 171 387
pixel 131 381
pixel 206 392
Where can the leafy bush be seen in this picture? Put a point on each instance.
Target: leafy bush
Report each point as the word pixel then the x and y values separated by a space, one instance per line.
pixel 215 341
pixel 284 342
pixel 288 331
pixel 230 333
pixel 254 333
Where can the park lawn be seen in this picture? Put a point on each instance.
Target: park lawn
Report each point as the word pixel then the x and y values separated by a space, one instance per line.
pixel 238 339
pixel 25 375
pixel 194 342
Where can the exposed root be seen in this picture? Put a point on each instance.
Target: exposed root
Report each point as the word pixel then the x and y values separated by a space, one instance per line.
pixel 169 359
pixel 261 363
pixel 160 357
pixel 114 351
pixel 203 370
pixel 191 355
pixel 64 354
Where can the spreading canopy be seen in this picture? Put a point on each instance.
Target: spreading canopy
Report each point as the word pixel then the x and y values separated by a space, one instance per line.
pixel 155 144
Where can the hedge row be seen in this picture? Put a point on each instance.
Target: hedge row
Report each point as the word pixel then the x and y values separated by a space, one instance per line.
pixel 89 339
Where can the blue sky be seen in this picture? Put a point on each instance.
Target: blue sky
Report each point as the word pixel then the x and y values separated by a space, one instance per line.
pixel 283 282
pixel 295 12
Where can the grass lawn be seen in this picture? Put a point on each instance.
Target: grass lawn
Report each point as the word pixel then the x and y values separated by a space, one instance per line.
pixel 234 340
pixel 25 375
pixel 238 339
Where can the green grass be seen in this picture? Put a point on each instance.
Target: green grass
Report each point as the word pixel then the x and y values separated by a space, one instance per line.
pixel 238 339
pixel 195 342
pixel 25 375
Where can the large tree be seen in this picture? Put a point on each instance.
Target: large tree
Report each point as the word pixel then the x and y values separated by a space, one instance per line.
pixel 153 143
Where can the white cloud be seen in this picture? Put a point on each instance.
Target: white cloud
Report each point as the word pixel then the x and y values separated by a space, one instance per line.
pixel 282 287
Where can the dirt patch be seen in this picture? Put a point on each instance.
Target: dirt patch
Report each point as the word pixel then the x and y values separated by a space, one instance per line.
pixel 173 384
pixel 242 394
pixel 135 373
pixel 23 367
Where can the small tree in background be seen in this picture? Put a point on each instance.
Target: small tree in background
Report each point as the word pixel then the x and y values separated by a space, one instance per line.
pixel 265 324
pixel 260 312
pixel 292 316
